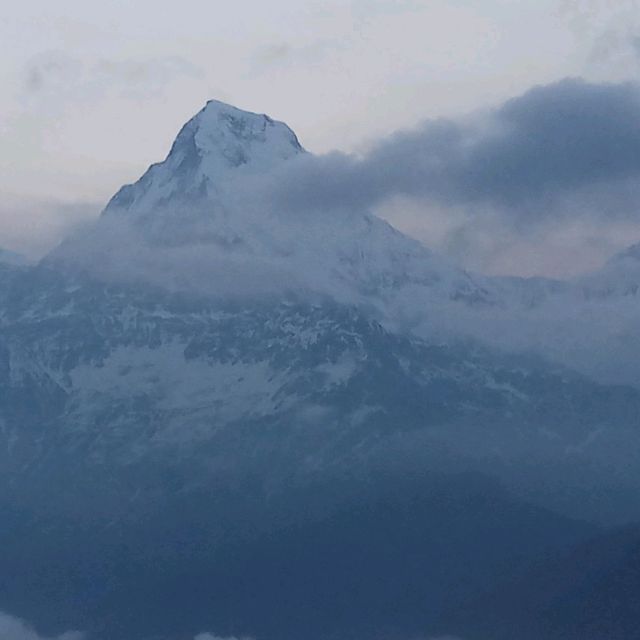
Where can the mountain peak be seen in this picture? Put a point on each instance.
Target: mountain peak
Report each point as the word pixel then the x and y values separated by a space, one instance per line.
pixel 211 194
pixel 218 140
pixel 240 137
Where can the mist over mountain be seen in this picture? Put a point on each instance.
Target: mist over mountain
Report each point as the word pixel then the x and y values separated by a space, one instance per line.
pixel 12 258
pixel 229 200
pixel 223 409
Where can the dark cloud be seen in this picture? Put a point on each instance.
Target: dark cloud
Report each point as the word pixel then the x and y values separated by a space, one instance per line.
pixel 558 138
pixel 282 54
pixel 529 156
pixel 273 53
pixel 50 71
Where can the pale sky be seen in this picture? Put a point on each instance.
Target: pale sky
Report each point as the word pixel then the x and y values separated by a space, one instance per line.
pixel 93 92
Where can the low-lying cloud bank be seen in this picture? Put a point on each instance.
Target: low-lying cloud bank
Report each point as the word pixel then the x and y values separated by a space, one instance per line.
pixel 211 636
pixel 14 629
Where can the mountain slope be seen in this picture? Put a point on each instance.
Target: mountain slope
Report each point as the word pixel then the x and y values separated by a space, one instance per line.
pixel 109 377
pixel 586 593
pixel 200 391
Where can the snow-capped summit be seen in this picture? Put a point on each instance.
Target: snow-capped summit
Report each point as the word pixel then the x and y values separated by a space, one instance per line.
pixel 216 141
pixel 211 202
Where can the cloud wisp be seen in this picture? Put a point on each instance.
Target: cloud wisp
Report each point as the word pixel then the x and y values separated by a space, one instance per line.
pixel 211 636
pixel 12 628
pixel 59 75
pixel 15 629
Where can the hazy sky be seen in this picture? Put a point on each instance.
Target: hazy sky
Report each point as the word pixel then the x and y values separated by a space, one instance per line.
pixel 92 92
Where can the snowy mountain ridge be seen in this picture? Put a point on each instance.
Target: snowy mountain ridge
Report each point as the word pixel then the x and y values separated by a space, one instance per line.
pixel 207 205
pixel 215 143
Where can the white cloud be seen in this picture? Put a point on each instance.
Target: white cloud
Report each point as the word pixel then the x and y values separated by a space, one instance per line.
pixel 211 636
pixel 14 629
